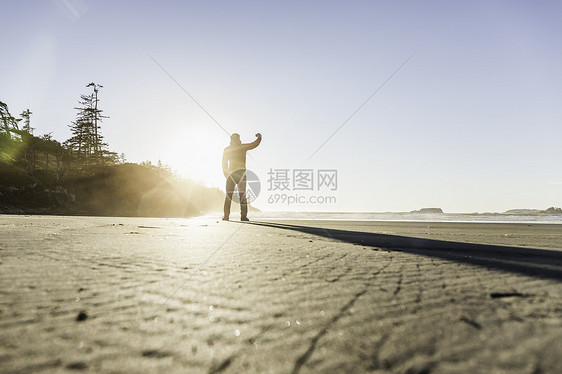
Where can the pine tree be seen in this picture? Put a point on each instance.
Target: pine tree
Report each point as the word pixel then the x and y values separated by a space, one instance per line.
pixel 25 115
pixel 7 121
pixel 86 141
pixel 29 140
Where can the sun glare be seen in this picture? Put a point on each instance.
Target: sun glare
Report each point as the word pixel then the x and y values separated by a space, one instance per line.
pixel 196 154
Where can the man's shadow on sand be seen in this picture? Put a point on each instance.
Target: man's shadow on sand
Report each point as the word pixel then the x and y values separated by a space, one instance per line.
pixel 538 263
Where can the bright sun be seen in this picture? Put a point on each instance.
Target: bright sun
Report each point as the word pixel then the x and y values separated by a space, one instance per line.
pixel 196 154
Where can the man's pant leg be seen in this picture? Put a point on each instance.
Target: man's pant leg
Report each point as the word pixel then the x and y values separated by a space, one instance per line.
pixel 228 198
pixel 242 194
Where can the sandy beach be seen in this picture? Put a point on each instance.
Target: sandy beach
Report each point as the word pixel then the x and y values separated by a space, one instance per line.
pixel 102 294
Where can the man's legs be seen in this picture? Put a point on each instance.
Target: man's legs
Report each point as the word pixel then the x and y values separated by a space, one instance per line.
pixel 243 202
pixel 228 198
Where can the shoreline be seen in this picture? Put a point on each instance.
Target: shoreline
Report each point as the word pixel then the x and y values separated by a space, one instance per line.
pixel 409 220
pixel 266 216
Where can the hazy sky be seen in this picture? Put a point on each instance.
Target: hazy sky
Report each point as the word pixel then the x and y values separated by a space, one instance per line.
pixel 473 122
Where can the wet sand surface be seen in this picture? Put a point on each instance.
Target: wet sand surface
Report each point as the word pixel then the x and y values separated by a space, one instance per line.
pixel 98 294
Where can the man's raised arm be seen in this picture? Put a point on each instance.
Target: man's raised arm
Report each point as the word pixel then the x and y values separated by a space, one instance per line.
pixel 253 144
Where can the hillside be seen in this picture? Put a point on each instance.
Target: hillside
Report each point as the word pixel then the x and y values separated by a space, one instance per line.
pixel 120 190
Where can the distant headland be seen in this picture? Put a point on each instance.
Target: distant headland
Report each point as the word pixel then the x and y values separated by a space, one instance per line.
pixel 530 212
pixel 428 210
pixel 518 212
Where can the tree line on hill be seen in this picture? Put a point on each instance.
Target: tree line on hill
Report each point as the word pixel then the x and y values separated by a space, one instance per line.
pixel 39 174
pixel 84 150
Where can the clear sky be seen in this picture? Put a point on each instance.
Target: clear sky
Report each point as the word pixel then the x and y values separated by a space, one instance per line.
pixel 473 122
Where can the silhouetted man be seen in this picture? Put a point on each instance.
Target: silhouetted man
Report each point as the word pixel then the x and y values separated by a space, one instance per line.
pixel 234 170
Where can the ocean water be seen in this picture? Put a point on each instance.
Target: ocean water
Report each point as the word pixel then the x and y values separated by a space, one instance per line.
pixel 412 217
